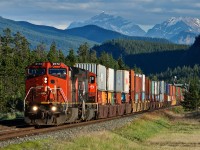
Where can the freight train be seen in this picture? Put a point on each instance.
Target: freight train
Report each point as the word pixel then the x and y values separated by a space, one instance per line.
pixel 58 94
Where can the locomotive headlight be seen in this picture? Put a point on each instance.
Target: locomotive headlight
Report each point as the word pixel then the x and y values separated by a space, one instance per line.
pixel 53 108
pixel 35 108
pixel 45 80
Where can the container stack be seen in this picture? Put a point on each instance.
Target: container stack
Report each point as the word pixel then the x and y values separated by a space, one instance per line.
pixel 132 75
pixel 110 80
pixel 138 87
pixel 147 88
pixel 143 88
pixel 122 85
pixel 118 85
pixel 156 90
pixel 162 88
pixel 152 91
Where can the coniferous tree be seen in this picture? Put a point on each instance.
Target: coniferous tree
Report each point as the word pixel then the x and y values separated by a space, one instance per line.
pixel 71 58
pixel 53 53
pixel 83 53
pixel 192 96
pixel 121 63
pixel 39 54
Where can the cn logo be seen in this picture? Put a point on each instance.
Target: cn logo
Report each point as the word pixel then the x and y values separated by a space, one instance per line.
pixel 91 86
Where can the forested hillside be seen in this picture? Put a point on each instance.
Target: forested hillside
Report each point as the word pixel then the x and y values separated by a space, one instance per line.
pixel 128 47
pixel 152 57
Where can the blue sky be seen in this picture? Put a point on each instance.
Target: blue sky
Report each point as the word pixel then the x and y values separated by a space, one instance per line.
pixel 60 13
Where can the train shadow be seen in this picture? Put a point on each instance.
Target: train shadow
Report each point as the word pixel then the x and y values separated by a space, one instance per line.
pixel 18 123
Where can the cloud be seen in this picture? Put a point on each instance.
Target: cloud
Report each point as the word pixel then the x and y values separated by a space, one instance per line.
pixel 59 12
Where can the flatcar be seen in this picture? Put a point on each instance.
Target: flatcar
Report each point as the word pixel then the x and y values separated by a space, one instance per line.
pixel 58 94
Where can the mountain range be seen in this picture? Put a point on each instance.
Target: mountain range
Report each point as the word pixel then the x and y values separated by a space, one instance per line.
pixel 36 34
pixel 180 30
pixel 65 39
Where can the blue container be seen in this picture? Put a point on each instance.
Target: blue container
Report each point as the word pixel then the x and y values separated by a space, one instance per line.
pixel 167 89
pixel 123 97
pixel 143 96
pixel 136 97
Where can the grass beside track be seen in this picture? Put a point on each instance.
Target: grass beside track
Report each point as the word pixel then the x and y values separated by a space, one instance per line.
pixel 158 130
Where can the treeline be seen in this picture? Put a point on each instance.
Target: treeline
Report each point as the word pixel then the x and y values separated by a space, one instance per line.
pixel 15 55
pixel 128 47
pixel 179 75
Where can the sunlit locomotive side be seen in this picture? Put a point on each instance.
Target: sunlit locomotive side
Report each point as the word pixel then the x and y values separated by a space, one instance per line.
pixel 57 94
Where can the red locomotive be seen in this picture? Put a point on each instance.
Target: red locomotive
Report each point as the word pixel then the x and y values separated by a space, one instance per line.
pixel 57 94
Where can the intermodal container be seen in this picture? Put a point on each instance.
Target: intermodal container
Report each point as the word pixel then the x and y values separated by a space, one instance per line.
pixel 127 97
pixel 152 90
pixel 174 92
pixel 119 81
pixel 170 90
pixel 123 97
pixel 118 97
pixel 150 86
pixel 143 96
pixel 99 70
pixel 110 80
pixel 136 97
pixel 162 90
pixel 138 83
pixel 132 96
pixel 125 81
pixel 143 83
pixel 138 87
pixel 132 74
pixel 167 89
pixel 147 89
pixel 111 98
pixel 99 97
pixel 102 97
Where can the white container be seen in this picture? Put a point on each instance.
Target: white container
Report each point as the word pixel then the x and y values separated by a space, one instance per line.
pixel 99 70
pixel 125 81
pixel 143 83
pixel 155 88
pixel 110 79
pixel 152 87
pixel 162 87
pixel 158 87
pixel 119 80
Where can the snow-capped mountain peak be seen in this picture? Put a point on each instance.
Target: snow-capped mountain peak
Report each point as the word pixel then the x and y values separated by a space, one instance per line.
pixel 177 28
pixel 192 22
pixel 111 22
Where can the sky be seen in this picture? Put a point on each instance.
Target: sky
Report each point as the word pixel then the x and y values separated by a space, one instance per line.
pixel 60 13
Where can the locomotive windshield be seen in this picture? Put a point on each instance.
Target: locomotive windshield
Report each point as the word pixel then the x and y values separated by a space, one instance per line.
pixel 33 72
pixel 58 72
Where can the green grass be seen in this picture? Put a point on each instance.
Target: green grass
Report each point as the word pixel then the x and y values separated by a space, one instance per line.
pixel 143 128
pixel 178 109
pixel 37 145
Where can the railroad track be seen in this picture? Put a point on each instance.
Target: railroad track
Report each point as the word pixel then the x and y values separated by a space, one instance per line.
pixel 30 131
